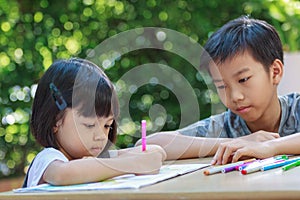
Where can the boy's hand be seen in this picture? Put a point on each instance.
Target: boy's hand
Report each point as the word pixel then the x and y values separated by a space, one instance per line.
pixel 254 145
pixel 261 136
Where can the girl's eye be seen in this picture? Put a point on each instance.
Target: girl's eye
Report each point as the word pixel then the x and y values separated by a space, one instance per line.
pixel 89 125
pixel 108 126
pixel 244 80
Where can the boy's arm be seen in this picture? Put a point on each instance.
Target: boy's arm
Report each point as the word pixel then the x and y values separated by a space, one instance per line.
pixel 178 146
pixel 285 145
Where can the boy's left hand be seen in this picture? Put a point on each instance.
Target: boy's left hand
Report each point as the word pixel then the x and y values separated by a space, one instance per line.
pixel 255 145
pixel 261 136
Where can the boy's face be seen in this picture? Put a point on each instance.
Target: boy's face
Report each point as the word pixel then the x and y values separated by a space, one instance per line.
pixel 245 87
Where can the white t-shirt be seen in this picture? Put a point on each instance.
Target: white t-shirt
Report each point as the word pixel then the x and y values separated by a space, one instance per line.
pixel 41 162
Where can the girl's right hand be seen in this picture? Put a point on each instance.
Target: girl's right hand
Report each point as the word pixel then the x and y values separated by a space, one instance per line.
pixel 146 162
pixel 138 149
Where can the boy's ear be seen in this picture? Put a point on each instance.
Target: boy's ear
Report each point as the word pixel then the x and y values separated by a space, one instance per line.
pixel 276 71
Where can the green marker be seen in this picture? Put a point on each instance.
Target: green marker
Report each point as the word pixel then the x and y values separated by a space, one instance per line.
pixel 290 166
pixel 283 157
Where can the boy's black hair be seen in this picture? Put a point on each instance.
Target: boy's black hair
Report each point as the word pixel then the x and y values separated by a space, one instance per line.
pixel 257 37
pixel 82 85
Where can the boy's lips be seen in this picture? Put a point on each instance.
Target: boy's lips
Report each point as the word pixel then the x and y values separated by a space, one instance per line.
pixel 243 109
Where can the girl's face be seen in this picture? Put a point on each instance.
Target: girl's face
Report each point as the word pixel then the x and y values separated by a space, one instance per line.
pixel 80 136
pixel 246 88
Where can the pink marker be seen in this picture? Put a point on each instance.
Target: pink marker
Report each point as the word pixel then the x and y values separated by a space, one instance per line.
pixel 143 135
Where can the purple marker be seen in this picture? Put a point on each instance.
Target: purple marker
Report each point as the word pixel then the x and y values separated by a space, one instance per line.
pixel 228 169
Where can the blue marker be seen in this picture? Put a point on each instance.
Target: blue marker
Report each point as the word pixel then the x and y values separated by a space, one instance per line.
pixel 278 164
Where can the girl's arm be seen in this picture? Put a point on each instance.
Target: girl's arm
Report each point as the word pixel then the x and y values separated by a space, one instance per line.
pixel 97 169
pixel 178 146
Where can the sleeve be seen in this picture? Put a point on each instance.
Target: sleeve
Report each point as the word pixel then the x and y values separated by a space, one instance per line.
pixel 41 162
pixel 210 127
pixel 113 153
pixel 290 114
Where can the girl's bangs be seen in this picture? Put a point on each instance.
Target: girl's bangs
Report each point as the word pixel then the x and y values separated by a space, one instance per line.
pixel 94 102
pixel 93 95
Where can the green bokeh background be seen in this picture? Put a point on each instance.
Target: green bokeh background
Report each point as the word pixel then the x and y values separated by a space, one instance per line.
pixel 35 33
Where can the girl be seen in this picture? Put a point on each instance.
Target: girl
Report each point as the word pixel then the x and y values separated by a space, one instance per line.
pixel 74 117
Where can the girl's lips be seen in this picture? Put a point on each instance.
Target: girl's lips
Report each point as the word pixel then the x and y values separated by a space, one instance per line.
pixel 96 150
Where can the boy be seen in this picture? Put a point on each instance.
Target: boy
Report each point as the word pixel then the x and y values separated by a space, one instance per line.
pixel 245 61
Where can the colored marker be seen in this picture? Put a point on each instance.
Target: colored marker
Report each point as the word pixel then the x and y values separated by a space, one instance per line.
pixel 279 164
pixel 243 166
pixel 218 169
pixel 256 166
pixel 291 165
pixel 284 157
pixel 228 169
pixel 232 168
pixel 253 167
pixel 273 165
pixel 144 134
pixel 240 166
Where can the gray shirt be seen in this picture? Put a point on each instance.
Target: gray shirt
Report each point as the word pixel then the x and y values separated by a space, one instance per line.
pixel 230 125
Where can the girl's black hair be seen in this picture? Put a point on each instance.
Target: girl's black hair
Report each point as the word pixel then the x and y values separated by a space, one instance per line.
pixel 243 34
pixel 73 83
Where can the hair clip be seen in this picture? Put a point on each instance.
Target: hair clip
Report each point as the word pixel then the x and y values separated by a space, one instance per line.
pixel 58 98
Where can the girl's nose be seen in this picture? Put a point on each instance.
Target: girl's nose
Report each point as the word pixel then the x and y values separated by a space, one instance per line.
pixel 99 135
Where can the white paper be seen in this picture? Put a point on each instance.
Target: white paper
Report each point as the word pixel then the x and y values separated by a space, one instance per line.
pixel 129 181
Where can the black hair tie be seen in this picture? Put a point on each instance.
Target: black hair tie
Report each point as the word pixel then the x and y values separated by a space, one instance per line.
pixel 58 98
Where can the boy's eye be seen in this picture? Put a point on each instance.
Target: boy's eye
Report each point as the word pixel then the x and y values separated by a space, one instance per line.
pixel 244 80
pixel 221 87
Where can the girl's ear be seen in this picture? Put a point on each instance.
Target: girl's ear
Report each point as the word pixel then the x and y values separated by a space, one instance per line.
pixel 57 125
pixel 276 71
pixel 55 129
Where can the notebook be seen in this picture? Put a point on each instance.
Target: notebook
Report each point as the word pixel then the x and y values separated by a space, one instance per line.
pixel 128 181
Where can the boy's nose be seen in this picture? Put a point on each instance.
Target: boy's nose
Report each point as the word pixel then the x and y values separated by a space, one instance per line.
pixel 236 95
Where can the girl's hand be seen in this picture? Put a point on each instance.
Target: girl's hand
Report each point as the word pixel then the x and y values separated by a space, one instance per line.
pixel 138 150
pixel 144 162
pixel 156 149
